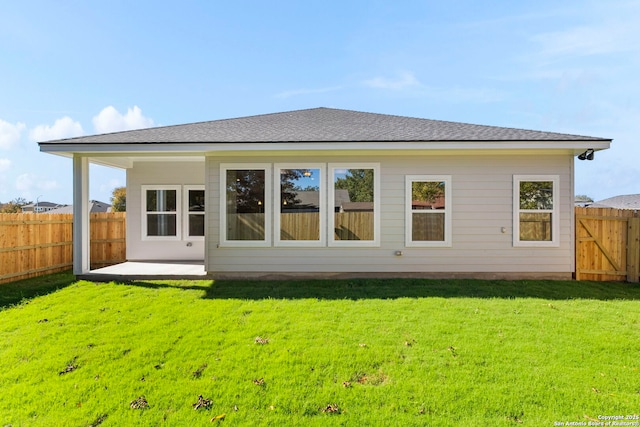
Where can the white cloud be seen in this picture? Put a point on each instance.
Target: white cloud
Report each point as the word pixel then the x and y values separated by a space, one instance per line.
pixel 290 93
pixel 110 185
pixel 404 80
pixel 409 85
pixel 28 182
pixel 65 127
pixel 5 165
pixel 10 134
pixel 614 30
pixel 460 95
pixel 583 41
pixel 25 182
pixel 3 186
pixel 110 120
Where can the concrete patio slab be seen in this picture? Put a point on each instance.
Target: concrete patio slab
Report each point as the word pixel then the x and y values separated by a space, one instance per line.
pixel 152 270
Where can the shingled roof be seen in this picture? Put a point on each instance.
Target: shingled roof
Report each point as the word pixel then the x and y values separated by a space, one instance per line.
pixel 321 125
pixel 626 201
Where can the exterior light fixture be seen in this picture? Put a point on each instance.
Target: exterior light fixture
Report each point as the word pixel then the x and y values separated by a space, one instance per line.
pixel 587 155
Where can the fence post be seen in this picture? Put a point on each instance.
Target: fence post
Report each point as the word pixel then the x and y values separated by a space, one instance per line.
pixel 633 250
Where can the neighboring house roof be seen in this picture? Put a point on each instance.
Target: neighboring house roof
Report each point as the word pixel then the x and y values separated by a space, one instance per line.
pixel 437 203
pixel 311 199
pixel 307 198
pixel 341 197
pixel 357 207
pixel 94 207
pixel 628 201
pixel 582 201
pixel 42 205
pixel 321 125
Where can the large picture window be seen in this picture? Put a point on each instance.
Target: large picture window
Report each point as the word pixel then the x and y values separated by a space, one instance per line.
pixel 160 212
pixel 246 195
pixel 428 210
pixel 354 194
pixel 300 205
pixel 303 212
pixel 535 210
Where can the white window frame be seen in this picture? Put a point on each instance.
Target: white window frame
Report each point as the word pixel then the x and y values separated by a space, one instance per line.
pixel 555 212
pixel 187 212
pixel 267 204
pixel 322 241
pixel 178 212
pixel 332 242
pixel 409 211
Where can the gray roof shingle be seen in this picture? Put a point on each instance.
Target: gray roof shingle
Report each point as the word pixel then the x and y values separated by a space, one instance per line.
pixel 626 201
pixel 321 125
pixel 94 207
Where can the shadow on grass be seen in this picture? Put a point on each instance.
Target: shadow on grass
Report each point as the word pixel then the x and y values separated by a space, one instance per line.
pixel 402 288
pixel 13 292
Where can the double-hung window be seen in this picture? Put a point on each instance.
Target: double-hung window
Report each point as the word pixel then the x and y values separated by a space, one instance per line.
pixel 428 210
pixel 246 204
pixel 535 210
pixel 161 212
pixel 194 212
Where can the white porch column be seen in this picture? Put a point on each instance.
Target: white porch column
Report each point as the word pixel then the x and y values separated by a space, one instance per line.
pixel 81 244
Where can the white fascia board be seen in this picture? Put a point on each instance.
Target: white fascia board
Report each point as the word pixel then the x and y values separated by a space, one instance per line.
pixel 201 148
pixel 126 149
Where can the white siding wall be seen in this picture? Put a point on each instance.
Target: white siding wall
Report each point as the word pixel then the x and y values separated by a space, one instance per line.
pixel 482 204
pixel 159 173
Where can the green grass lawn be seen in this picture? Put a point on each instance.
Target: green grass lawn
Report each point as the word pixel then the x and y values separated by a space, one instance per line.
pixel 348 352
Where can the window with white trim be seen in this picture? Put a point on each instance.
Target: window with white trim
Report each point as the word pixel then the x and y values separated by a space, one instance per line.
pixel 161 217
pixel 535 210
pixel 300 205
pixel 354 204
pixel 246 204
pixel 194 201
pixel 428 210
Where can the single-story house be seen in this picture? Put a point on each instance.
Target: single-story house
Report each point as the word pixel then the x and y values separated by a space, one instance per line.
pixel 423 197
pixel 41 207
pixel 625 201
pixel 95 206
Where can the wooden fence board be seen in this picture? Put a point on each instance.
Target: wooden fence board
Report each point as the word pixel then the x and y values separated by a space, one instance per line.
pixel 108 239
pixel 37 244
pixel 633 250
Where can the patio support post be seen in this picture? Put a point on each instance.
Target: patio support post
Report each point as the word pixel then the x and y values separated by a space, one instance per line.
pixel 81 246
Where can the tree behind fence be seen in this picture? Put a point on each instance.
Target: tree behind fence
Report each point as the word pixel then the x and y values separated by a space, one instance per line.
pixel 38 244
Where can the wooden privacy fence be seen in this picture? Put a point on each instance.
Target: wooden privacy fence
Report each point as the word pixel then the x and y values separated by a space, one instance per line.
pixel 108 237
pixel 607 241
pixel 37 244
pixel 607 244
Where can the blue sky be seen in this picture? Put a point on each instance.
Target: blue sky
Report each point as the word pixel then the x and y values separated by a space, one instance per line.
pixel 71 68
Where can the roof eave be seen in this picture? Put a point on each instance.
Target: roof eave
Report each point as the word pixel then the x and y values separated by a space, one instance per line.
pixel 202 147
